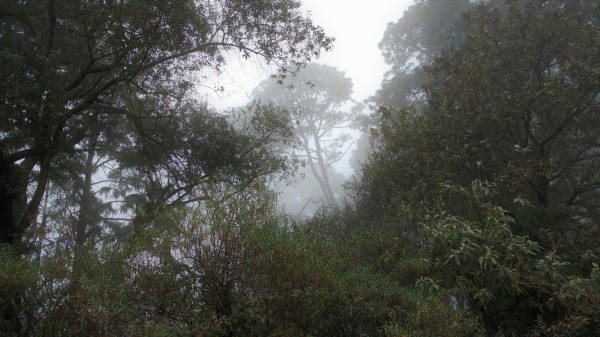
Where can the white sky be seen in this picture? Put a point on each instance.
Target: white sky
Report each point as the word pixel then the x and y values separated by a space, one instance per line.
pixel 357 25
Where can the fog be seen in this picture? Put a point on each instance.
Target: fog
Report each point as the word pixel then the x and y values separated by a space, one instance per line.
pixel 157 178
pixel 357 27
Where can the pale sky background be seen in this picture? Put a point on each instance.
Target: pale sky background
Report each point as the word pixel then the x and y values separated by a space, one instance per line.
pixel 357 25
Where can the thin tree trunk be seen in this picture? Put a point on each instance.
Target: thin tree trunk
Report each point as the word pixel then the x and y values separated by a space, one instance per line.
pixel 85 211
pixel 323 168
pixel 83 220
pixel 32 208
pixel 7 219
pixel 313 168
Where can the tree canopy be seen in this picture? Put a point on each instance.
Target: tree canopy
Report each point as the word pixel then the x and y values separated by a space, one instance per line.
pixel 511 116
pixel 70 66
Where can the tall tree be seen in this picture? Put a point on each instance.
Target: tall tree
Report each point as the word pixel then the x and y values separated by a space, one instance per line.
pixel 315 99
pixel 409 45
pixel 65 63
pixel 530 127
pixel 414 41
pixel 530 123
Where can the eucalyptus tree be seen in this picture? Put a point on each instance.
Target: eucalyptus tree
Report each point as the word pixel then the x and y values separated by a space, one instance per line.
pixel 316 100
pixel 67 64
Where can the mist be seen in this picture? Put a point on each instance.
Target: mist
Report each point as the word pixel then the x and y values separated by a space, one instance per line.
pixel 287 168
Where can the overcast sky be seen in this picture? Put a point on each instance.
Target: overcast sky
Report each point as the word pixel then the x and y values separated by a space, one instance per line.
pixel 357 26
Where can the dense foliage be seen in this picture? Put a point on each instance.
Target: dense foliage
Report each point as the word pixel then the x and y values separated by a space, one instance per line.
pixel 78 74
pixel 230 268
pixel 129 208
pixel 493 174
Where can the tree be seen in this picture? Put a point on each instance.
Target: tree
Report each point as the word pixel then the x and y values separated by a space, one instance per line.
pixel 66 63
pixel 170 168
pixel 491 118
pixel 408 46
pixel 529 126
pixel 414 41
pixel 315 100
pixel 427 29
pixel 516 286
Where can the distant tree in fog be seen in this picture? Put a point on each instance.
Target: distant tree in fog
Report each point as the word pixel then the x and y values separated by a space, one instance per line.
pixel 316 100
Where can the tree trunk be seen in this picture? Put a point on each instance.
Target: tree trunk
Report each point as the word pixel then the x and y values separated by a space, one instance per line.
pixel 84 217
pixel 7 196
pixel 31 210
pixel 322 183
pixel 323 168
pixel 9 310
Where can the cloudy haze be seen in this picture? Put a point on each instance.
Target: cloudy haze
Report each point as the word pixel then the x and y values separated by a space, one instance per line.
pixel 357 26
